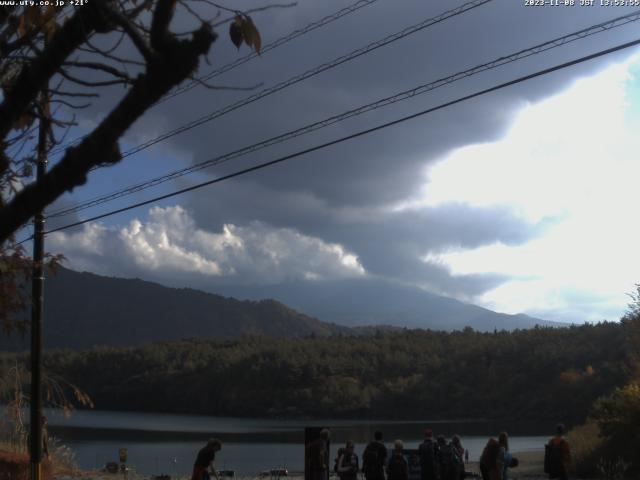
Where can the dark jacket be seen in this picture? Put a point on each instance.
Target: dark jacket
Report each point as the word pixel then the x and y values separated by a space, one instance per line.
pixel 397 468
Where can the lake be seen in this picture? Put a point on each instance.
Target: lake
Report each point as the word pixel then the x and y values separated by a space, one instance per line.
pixel 166 443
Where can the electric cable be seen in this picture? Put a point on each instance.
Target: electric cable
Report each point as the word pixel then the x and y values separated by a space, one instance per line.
pixel 361 133
pixel 421 89
pixel 250 56
pixel 305 75
pixel 270 46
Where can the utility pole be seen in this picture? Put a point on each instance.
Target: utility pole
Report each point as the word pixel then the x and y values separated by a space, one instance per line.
pixel 37 298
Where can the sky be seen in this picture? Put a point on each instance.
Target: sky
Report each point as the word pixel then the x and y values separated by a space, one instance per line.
pixel 521 200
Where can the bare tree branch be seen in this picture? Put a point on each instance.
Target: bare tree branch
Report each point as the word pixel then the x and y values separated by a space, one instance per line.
pixel 132 31
pixel 134 12
pixel 175 60
pixel 71 105
pixel 109 50
pixel 87 83
pixel 105 54
pixel 33 78
pixel 159 33
pixel 72 94
pixel 100 66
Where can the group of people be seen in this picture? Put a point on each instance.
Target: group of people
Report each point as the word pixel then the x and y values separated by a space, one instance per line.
pixel 496 459
pixel 437 459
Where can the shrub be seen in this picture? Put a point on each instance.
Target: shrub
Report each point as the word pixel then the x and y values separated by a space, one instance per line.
pixel 63 458
pixel 618 417
pixel 15 466
pixel 586 449
pixel 613 469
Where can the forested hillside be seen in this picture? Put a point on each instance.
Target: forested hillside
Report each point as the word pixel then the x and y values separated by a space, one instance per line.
pixel 83 310
pixel 543 373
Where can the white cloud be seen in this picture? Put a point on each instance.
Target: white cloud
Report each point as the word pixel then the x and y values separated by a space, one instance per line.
pixel 169 242
pixel 572 157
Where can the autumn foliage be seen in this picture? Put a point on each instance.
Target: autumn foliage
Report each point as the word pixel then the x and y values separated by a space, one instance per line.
pixel 15 466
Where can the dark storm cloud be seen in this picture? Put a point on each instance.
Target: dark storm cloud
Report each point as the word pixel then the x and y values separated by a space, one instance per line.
pixel 383 167
pixel 388 243
pixel 344 194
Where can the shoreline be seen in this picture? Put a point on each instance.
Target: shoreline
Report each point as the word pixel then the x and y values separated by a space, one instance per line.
pixel 529 468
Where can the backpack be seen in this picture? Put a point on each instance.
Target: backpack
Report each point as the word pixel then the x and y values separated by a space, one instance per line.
pixel 427 451
pixel 350 461
pixel 370 458
pixel 489 457
pixel 445 460
pixel 397 467
pixel 456 456
pixel 553 462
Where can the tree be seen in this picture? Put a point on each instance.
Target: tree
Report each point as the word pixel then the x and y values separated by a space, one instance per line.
pixel 52 58
pixel 618 417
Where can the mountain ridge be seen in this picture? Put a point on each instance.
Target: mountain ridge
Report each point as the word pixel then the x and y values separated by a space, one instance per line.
pixel 83 309
pixel 366 302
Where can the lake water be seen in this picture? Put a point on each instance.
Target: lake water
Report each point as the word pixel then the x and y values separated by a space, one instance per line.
pixel 164 443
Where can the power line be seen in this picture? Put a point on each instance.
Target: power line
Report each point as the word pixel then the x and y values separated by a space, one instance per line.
pixel 271 46
pixel 308 74
pixel 356 135
pixel 250 56
pixel 421 89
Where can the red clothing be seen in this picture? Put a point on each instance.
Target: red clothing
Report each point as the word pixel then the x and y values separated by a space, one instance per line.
pixel 564 448
pixel 561 471
pixel 205 456
pixel 199 473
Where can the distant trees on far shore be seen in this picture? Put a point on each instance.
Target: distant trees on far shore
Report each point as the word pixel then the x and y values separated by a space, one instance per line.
pixel 607 445
pixel 542 373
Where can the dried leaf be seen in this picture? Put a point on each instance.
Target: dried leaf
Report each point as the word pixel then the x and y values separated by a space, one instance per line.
pixel 23 122
pixel 32 17
pixel 22 27
pixel 50 28
pixel 257 40
pixel 247 32
pixel 48 14
pixel 236 31
pixel 250 34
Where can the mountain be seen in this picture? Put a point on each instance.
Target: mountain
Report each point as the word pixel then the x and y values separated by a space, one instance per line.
pixel 373 301
pixel 83 309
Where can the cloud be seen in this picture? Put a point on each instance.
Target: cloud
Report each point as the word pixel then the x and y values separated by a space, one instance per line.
pixel 388 241
pixel 513 178
pixel 169 243
pixel 572 156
